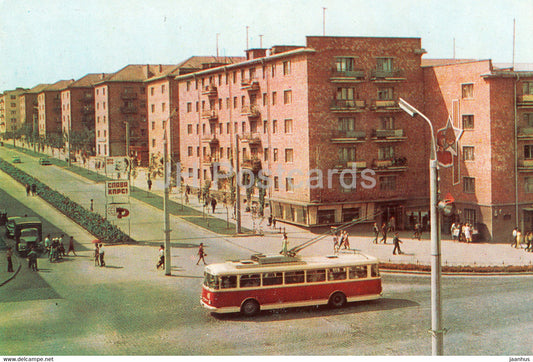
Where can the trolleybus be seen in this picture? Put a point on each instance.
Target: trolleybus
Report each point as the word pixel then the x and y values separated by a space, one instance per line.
pixel 280 281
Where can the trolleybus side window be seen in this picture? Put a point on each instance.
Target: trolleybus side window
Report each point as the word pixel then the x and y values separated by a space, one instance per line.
pixel 228 281
pixel 374 270
pixel 336 274
pixel 272 278
pixel 293 277
pixel 250 280
pixel 318 275
pixel 357 272
pixel 211 281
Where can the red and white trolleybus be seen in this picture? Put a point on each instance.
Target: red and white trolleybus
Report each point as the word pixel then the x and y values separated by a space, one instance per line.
pixel 281 281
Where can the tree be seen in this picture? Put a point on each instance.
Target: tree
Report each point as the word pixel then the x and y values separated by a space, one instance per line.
pixel 82 140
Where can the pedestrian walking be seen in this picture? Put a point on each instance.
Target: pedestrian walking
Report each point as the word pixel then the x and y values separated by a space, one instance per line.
pixel 33 189
pixel 335 242
pixel 284 244
pixel 101 253
pixel 396 241
pixel 518 239
pixel 201 254
pixel 392 224
pixel 515 232
pixel 96 255
pixel 149 182
pixel 71 246
pixel 213 204
pixel 273 223
pixel 529 240
pixel 47 244
pixel 346 242
pixel 32 260
pixel 28 189
pixel 9 255
pixel 384 233
pixel 161 261
pixel 269 220
pixel 186 198
pixel 454 230
pixel 92 205
pixel 375 229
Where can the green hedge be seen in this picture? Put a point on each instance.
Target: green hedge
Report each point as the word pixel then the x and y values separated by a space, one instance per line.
pixel 90 221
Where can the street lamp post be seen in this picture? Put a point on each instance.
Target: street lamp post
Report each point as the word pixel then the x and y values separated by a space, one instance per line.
pixel 165 206
pixel 436 309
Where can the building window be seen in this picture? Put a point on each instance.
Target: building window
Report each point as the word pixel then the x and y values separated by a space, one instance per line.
pixel 274 94
pixel 468 153
pixel 191 172
pixel 347 154
pixel 235 102
pixel 289 184
pixel 265 154
pixel 163 107
pixel 153 142
pixel 275 154
pixel 345 64
pixel 151 91
pixel 468 121
pixel 188 85
pixel 387 183
pixel 288 126
pixel 276 183
pixel 346 94
pixel 289 155
pixel 385 94
pixel 528 152
pixel 273 69
pixel 469 184
pixel 384 64
pixel 467 90
pixel 274 126
pixel 527 88
pixel 387 122
pixel 287 67
pixel 189 107
pixel 470 216
pixel 345 124
pixel 265 126
pixel 287 97
pixel 386 153
pixel 153 125
pixel 189 151
pixel 528 183
pixel 189 129
pixel 528 119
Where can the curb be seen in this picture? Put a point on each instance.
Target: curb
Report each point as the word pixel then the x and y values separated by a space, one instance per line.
pixel 14 274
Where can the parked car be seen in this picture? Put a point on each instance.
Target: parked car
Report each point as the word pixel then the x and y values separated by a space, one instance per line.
pixel 44 161
pixel 16 159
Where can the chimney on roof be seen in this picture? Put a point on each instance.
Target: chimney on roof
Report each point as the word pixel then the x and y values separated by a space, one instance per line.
pixel 160 68
pixel 102 76
pixel 255 53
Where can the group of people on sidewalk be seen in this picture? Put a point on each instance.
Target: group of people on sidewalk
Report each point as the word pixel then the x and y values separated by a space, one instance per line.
pixel 463 232
pixel 54 248
pixel 518 238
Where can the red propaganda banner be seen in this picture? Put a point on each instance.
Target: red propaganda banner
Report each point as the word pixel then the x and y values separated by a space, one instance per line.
pixel 447 139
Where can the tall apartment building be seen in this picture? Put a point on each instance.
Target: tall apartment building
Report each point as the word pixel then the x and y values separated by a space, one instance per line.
pixel 302 115
pixel 492 179
pixel 10 120
pixel 162 93
pixel 77 105
pixel 29 110
pixel 120 104
pixel 49 108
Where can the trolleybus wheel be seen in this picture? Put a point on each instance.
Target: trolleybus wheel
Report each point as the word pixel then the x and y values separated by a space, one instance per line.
pixel 250 308
pixel 337 300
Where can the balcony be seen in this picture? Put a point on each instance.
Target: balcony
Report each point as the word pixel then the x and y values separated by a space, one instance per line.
pixel 525 133
pixel 354 76
pixel 128 95
pixel 253 163
pixel 525 101
pixel 385 135
pixel 211 115
pixel 210 90
pixel 348 105
pixel 348 136
pixel 251 85
pixel 251 138
pixel 343 164
pixel 395 75
pixel 525 165
pixel 388 105
pixel 251 111
pixel 390 165
pixel 211 139
pixel 128 109
pixel 209 159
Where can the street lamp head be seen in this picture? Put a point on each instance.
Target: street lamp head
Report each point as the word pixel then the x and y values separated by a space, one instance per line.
pixel 409 109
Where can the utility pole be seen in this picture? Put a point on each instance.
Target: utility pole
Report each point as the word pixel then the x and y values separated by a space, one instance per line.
pixel 237 188
pixel 68 144
pixel 127 123
pixel 324 21
pixel 165 206
pixel 217 44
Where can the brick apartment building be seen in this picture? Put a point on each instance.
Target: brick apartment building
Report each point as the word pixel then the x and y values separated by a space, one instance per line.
pixel 121 103
pixel 29 111
pixel 162 98
pixel 49 108
pixel 10 111
pixel 492 182
pixel 77 106
pixel 313 110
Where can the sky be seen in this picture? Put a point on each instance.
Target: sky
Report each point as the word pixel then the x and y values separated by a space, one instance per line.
pixel 43 41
